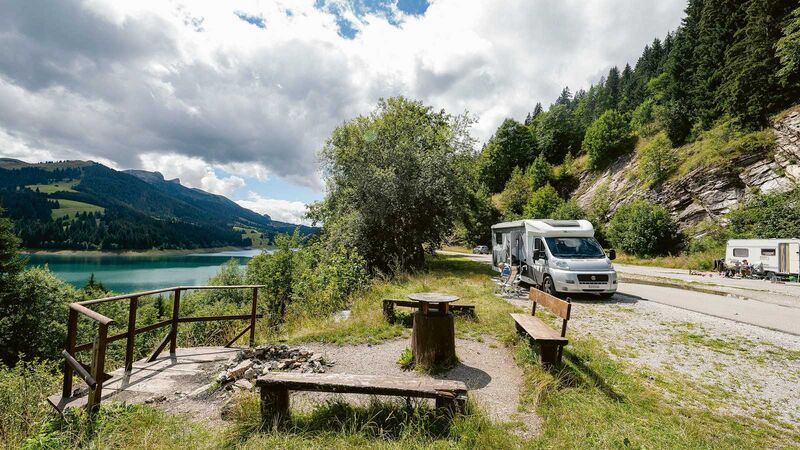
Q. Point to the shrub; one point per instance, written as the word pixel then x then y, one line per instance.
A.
pixel 326 278
pixel 543 203
pixel 275 271
pixel 657 159
pixel 643 229
pixel 606 138
pixel 33 320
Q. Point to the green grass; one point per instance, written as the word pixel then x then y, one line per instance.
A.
pixel 69 208
pixel 468 280
pixel 695 261
pixel 58 186
pixel 719 146
pixel 256 237
pixel 591 401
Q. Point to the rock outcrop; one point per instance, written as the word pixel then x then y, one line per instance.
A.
pixel 706 192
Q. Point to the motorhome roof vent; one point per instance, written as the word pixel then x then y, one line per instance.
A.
pixel 562 223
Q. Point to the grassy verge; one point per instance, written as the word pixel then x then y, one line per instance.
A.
pixel 592 401
pixel 694 261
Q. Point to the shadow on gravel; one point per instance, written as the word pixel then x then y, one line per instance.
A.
pixel 473 377
pixel 623 299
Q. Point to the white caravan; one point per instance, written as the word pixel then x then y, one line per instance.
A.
pixel 779 257
pixel 559 256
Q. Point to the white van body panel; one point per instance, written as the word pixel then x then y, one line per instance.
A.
pixel 515 242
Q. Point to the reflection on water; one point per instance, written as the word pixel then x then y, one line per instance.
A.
pixel 138 273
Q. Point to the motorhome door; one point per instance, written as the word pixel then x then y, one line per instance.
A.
pixel 539 264
pixel 788 257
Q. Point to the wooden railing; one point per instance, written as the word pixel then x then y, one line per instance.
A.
pixel 94 375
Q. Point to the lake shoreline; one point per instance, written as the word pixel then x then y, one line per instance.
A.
pixel 134 253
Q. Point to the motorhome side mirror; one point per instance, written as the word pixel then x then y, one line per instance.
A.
pixel 612 254
pixel 537 254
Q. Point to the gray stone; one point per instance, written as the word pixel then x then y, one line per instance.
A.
pixel 243 385
pixel 239 370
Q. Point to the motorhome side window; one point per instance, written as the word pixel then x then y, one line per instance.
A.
pixel 767 252
pixel 741 252
pixel 498 238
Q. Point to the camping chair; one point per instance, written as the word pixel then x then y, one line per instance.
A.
pixel 505 274
pixel 511 284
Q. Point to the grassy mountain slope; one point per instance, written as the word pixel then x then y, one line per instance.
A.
pixel 85 205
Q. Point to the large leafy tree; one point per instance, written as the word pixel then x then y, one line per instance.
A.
pixel 394 182
pixel 511 146
pixel 608 137
pixel 788 51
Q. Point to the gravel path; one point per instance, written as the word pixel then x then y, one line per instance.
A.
pixel 487 368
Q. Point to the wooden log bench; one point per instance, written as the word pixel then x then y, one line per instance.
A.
pixel 275 387
pixel 389 305
pixel 551 343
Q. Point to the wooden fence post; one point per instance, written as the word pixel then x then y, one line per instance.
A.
pixel 253 318
pixel 133 306
pixel 176 306
pixel 72 331
pixel 98 366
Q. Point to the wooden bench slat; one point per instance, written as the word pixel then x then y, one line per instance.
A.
pixel 364 384
pixel 538 330
pixel 559 307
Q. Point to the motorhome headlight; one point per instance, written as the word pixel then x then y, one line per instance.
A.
pixel 562 265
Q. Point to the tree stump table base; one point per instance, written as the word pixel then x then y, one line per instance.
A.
pixel 433 341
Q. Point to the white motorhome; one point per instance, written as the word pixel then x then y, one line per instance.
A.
pixel 779 257
pixel 559 256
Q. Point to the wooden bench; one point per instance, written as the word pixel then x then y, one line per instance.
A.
pixel 389 305
pixel 275 387
pixel 551 343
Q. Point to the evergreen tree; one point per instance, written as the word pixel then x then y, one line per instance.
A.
pixel 556 133
pixel 788 52
pixel 628 99
pixel 612 89
pixel 565 98
pixel 751 84
pixel 537 110
pixel 716 26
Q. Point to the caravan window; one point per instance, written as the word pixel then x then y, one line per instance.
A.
pixel 767 252
pixel 741 252
pixel 498 238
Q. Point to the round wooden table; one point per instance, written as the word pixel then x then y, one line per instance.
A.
pixel 433 337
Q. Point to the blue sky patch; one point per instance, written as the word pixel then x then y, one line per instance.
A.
pixel 253 20
pixel 384 8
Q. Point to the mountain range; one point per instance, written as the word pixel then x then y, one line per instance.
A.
pixel 87 206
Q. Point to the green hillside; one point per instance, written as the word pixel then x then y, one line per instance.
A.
pixel 84 205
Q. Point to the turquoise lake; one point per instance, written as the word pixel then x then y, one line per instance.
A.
pixel 123 274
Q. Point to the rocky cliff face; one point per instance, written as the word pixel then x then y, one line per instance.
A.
pixel 706 192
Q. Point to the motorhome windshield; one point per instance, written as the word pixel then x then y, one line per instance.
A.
pixel 574 247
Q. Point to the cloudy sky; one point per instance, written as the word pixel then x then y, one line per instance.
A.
pixel 237 97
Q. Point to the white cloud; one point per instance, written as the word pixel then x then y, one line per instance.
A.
pixel 281 210
pixel 118 81
pixel 193 172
